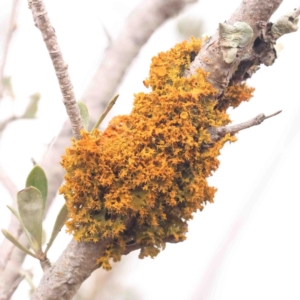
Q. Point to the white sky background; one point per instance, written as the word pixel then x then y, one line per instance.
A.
pixel 245 245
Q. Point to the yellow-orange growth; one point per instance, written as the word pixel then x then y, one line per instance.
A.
pixel 141 180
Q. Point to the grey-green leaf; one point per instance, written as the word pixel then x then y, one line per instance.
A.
pixel 16 214
pixel 8 88
pixel 31 210
pixel 59 223
pixel 32 107
pixel 109 106
pixel 84 114
pixel 16 243
pixel 37 178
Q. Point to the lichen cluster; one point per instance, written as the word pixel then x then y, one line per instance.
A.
pixel 141 180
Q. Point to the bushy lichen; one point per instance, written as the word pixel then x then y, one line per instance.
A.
pixel 141 180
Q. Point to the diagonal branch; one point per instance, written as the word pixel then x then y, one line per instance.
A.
pixel 42 21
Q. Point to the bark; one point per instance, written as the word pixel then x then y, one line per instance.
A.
pixel 139 26
pixel 58 282
pixel 211 58
pixel 218 132
pixel 42 21
pixel 256 14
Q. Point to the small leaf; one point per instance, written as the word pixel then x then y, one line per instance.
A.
pixel 8 88
pixel 32 107
pixel 84 114
pixel 59 223
pixel 37 178
pixel 16 214
pixel 31 210
pixel 16 243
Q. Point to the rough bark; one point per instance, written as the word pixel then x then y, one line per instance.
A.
pixel 138 28
pixel 254 13
pixel 58 282
pixel 42 21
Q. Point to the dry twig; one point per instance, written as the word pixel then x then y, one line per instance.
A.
pixel 42 22
pixel 218 132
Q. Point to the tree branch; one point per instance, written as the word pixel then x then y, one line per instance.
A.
pixel 259 49
pixel 72 268
pixel 71 275
pixel 79 259
pixel 11 29
pixel 42 21
pixel 218 132
pixel 64 286
pixel 138 28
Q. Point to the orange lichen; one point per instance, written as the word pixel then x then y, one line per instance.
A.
pixel 141 180
pixel 235 94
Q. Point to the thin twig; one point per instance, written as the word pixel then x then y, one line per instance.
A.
pixel 7 121
pixel 217 133
pixel 42 21
pixel 106 111
pixel 8 37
